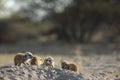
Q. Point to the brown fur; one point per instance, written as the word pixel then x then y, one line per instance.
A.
pixel 72 66
pixel 21 58
pixel 49 61
pixel 36 61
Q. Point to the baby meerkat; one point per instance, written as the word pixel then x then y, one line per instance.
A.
pixel 22 58
pixel 69 66
pixel 49 61
pixel 36 60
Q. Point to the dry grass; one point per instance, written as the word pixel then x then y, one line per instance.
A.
pixel 6 59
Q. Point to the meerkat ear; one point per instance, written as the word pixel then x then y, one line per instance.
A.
pixel 52 58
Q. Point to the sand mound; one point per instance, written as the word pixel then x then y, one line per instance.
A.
pixel 40 73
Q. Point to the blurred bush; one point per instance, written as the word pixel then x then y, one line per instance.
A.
pixel 89 21
pixel 83 21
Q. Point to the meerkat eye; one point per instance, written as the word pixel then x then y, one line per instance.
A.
pixel 48 60
pixel 25 56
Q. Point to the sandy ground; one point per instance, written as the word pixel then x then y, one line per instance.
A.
pixel 94 67
pixel 95 62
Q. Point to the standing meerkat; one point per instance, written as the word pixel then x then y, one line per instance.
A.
pixel 36 60
pixel 22 58
pixel 49 61
pixel 72 66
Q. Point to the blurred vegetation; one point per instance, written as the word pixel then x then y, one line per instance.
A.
pixel 87 18
pixel 84 21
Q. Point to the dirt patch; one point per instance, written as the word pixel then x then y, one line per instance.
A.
pixel 38 73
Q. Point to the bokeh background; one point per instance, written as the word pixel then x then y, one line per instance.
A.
pixel 60 27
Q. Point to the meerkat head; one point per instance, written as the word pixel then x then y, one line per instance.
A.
pixel 49 60
pixel 64 64
pixel 37 58
pixel 28 55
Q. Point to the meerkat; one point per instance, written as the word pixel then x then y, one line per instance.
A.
pixel 22 58
pixel 36 60
pixel 49 62
pixel 72 66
